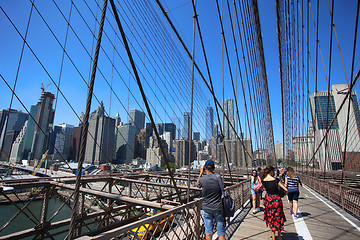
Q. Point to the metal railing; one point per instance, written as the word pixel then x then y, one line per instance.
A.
pixel 347 198
pixel 182 222
pixel 112 206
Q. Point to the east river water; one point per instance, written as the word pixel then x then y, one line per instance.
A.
pixel 22 222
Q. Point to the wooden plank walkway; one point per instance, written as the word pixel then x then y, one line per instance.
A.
pixel 319 219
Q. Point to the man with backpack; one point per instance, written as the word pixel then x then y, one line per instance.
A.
pixel 211 205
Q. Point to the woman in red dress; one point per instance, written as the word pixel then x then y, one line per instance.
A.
pixel 274 216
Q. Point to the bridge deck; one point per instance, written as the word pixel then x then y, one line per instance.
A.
pixel 320 219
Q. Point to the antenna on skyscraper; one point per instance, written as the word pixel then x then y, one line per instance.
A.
pixel 43 88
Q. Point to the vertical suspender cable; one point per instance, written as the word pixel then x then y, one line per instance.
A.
pixel 75 209
pixel 350 99
pixel 143 95
pixel 192 102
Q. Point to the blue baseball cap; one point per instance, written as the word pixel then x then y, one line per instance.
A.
pixel 209 164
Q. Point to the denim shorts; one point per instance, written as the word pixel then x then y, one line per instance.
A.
pixel 255 193
pixel 293 196
pixel 209 222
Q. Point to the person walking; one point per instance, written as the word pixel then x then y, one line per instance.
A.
pixel 255 191
pixel 274 216
pixel 211 204
pixel 292 182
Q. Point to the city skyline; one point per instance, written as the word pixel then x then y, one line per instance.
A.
pixel 166 83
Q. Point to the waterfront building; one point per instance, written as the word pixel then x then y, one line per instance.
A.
pixel 209 123
pixel 18 146
pixel 229 133
pixel 13 121
pixel 100 137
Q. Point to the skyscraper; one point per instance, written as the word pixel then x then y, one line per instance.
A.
pixel 13 120
pixel 17 149
pixel 209 123
pixel 215 130
pixel 100 139
pixel 186 127
pixel 137 118
pixel 229 111
pixel 125 144
pixel 140 144
pixel 167 127
pixel 37 136
pixel 63 140
pixel 196 136
pixel 75 143
pixel 149 133
pixel 323 110
pixel 171 127
pixel 117 120
pixel 182 152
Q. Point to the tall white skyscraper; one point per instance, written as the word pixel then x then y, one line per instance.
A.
pixel 229 133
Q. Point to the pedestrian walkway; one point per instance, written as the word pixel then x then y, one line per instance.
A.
pixel 319 219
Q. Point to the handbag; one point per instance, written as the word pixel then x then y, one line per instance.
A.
pixel 228 204
pixel 257 187
pixel 281 191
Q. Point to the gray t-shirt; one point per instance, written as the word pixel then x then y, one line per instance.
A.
pixel 211 193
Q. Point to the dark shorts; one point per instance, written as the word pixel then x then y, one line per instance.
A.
pixel 293 196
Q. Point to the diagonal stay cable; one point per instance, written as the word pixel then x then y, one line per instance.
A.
pixel 143 94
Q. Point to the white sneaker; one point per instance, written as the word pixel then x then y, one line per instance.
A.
pixel 254 211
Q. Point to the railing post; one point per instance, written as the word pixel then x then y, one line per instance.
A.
pixel 342 197
pixel 130 189
pixel 109 204
pixel 197 220
pixel 81 210
pixel 242 194
pixel 313 182
pixel 44 211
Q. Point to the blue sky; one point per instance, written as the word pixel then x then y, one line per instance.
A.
pixel 73 70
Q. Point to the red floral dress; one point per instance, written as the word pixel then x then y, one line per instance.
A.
pixel 274 216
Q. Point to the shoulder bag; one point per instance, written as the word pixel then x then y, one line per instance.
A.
pixel 228 205
pixel 281 191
